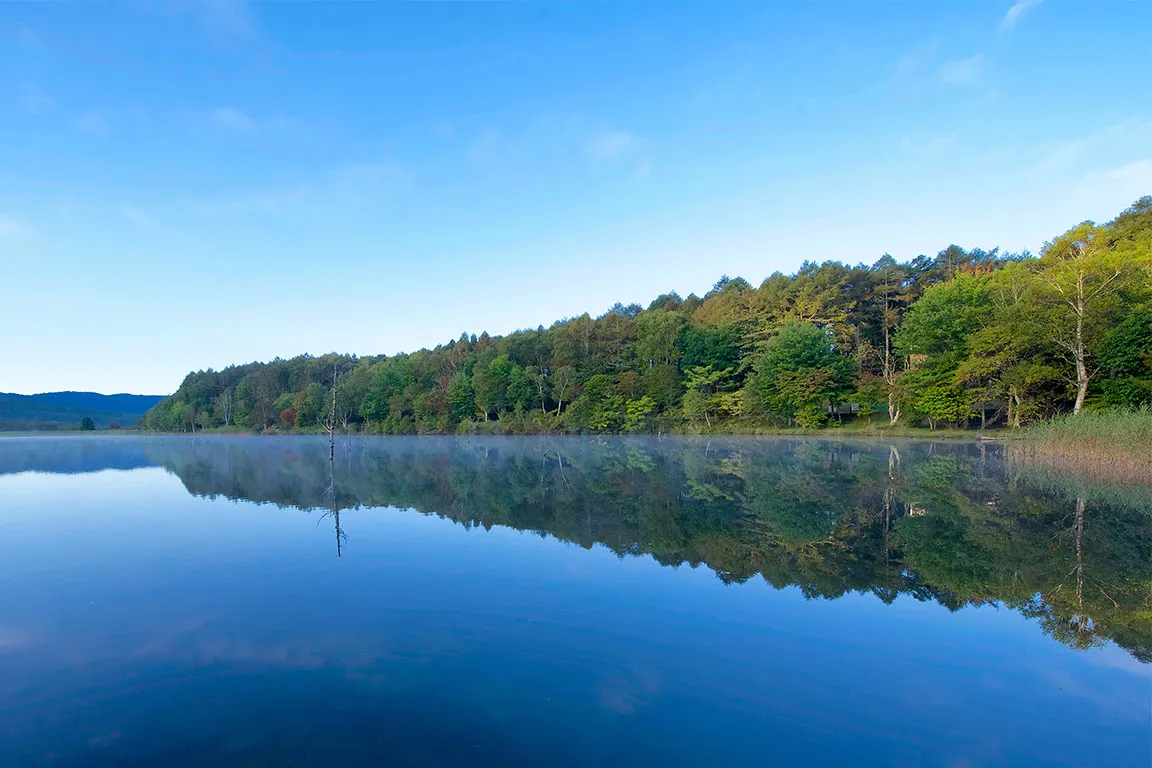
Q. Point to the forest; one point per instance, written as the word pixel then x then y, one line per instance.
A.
pixel 964 339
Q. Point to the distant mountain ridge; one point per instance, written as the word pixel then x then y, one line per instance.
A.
pixel 65 410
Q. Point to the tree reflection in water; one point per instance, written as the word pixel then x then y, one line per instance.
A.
pixel 952 523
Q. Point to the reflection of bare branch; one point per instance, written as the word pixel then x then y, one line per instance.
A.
pixel 1106 594
pixel 334 512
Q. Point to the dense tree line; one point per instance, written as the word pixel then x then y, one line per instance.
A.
pixel 952 523
pixel 969 335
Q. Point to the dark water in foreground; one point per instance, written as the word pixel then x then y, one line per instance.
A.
pixel 428 601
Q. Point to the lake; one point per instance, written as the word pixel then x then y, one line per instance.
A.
pixel 239 601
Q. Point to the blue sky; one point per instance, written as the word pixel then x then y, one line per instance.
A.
pixel 190 185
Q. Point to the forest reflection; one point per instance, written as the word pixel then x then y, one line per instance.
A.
pixel 951 523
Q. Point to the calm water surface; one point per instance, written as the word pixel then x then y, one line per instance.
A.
pixel 438 601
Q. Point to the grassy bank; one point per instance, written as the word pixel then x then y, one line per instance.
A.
pixel 1114 444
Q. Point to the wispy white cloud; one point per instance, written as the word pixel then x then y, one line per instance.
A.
pixel 11 227
pixel 921 70
pixel 234 18
pixel 97 122
pixel 138 216
pixel 1129 132
pixel 553 140
pixel 350 186
pixel 33 98
pixel 1130 180
pixel 1017 11
pixel 915 63
pixel 961 71
pixel 233 120
pixel 609 143
pixel 223 21
pixel 146 222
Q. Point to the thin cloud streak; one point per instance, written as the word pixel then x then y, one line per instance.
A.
pixel 349 186
pixel 914 63
pixel 1017 11
pixel 961 71
pixel 146 222
pixel 98 122
pixel 1131 131
pixel 610 143
pixel 11 227
pixel 34 100
pixel 233 120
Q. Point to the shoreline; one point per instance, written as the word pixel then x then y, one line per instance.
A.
pixel 940 435
pixel 1101 458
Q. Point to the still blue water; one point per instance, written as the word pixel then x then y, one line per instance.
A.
pixel 241 601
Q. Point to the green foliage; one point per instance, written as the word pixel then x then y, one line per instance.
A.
pixel 941 320
pixel 86 424
pixel 703 399
pixel 924 340
pixel 461 397
pixel 715 348
pixel 941 404
pixel 811 416
pixel 599 408
pixel 388 379
pixel 801 371
pixel 490 380
pixel 1126 361
pixel 310 405
pixel 656 335
pixel 638 414
pixel 521 392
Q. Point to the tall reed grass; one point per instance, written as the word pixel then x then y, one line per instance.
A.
pixel 1113 443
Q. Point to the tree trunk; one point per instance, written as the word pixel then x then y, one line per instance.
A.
pixel 890 378
pixel 331 422
pixel 1082 619
pixel 1081 367
pixel 1081 370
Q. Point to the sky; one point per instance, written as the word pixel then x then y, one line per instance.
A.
pixel 190 185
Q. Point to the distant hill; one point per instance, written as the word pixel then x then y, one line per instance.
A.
pixel 71 454
pixel 65 410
